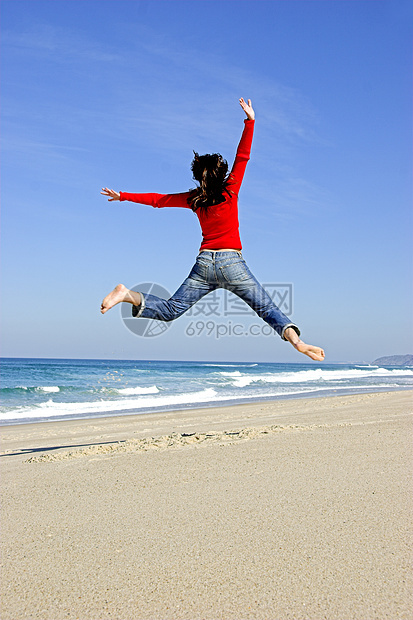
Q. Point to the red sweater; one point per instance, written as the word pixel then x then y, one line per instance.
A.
pixel 220 227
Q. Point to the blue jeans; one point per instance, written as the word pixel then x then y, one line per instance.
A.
pixel 216 269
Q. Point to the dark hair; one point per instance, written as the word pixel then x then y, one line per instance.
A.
pixel 211 173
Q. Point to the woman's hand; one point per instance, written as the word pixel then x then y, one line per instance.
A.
pixel 247 107
pixel 111 193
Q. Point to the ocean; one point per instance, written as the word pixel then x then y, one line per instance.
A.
pixel 37 390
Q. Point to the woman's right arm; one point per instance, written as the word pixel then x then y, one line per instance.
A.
pixel 247 107
pixel 244 149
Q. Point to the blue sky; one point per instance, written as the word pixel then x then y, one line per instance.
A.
pixel 118 93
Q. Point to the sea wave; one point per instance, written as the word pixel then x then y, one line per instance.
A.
pixel 317 374
pixel 28 388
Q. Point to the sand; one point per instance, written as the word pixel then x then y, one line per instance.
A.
pixel 298 509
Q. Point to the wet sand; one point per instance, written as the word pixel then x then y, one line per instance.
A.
pixel 298 509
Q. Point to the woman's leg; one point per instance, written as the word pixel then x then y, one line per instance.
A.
pixel 247 287
pixel 149 306
pixel 153 307
pixel 253 293
pixel 257 298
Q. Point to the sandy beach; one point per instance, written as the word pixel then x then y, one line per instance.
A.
pixel 295 509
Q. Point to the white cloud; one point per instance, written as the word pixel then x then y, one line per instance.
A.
pixel 154 95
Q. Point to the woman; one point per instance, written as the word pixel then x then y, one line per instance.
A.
pixel 219 263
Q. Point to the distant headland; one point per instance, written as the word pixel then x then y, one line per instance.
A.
pixel 394 360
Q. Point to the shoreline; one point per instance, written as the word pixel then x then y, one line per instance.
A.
pixel 115 428
pixel 327 392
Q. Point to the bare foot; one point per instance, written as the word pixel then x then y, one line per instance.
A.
pixel 120 293
pixel 316 353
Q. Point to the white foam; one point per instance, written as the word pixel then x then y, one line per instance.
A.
pixel 51 409
pixel 231 365
pixel 138 390
pixel 235 373
pixel 45 388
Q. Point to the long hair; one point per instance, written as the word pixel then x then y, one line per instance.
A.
pixel 211 173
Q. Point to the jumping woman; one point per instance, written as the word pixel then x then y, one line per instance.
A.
pixel 219 263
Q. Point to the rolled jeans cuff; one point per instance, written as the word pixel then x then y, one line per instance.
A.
pixel 137 310
pixel 287 326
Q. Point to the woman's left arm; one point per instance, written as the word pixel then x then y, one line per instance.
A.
pixel 154 200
